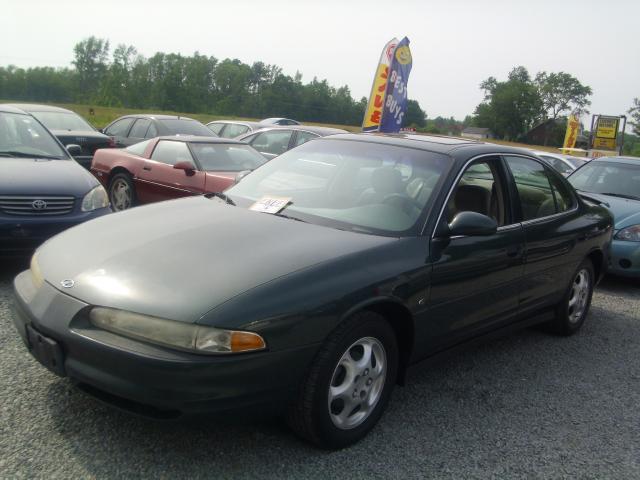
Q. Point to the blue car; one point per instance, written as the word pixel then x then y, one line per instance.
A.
pixel 42 189
pixel 615 182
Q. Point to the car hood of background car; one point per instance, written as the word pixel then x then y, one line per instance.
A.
pixel 179 259
pixel 625 211
pixel 25 176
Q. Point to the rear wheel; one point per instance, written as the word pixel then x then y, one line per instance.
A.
pixel 122 193
pixel 574 307
pixel 348 384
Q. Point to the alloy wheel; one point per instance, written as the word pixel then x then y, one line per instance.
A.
pixel 357 383
pixel 579 296
pixel 121 195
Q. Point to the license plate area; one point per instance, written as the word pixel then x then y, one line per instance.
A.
pixel 46 350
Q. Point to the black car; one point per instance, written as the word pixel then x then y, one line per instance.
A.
pixel 273 141
pixel 69 128
pixel 42 189
pixel 131 129
pixel 310 286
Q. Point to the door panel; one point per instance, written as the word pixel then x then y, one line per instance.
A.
pixel 550 230
pixel 163 182
pixel 475 285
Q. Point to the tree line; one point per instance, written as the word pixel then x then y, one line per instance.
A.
pixel 194 84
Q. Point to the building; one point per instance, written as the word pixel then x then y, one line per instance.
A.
pixel 478 133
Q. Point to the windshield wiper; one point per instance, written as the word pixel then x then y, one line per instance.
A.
pixel 622 195
pixel 221 196
pixel 14 153
pixel 289 217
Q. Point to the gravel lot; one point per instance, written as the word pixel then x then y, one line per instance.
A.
pixel 528 405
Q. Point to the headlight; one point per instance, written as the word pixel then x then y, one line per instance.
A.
pixel 36 274
pixel 96 198
pixel 178 335
pixel 630 234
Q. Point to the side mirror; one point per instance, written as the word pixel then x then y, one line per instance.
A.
pixel 185 165
pixel 73 149
pixel 472 224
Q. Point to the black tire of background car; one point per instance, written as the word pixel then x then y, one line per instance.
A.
pixel 308 416
pixel 126 177
pixel 561 324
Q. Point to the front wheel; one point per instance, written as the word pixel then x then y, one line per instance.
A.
pixel 122 193
pixel 348 384
pixel 574 307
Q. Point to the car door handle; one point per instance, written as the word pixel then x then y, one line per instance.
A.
pixel 148 169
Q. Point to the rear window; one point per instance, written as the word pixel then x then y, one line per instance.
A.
pixel 182 126
pixel 62 121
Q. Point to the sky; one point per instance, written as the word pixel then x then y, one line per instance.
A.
pixel 455 44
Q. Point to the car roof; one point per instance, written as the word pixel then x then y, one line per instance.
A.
pixel 453 146
pixel 197 139
pixel 618 159
pixel 34 107
pixel 155 116
pixel 238 122
pixel 322 131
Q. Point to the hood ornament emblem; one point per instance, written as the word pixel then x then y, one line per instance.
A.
pixel 67 283
pixel 39 204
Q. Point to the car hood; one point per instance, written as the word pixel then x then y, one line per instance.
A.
pixel 179 259
pixel 25 176
pixel 625 211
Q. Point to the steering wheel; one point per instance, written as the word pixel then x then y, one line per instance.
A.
pixel 404 202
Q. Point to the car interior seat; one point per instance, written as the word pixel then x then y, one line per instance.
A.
pixel 384 181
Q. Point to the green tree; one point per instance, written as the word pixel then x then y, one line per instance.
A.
pixel 561 93
pixel 634 111
pixel 510 108
pixel 91 57
pixel 415 116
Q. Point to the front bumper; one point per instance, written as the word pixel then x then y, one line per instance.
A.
pixel 21 235
pixel 135 375
pixel 624 258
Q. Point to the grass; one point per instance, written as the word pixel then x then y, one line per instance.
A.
pixel 102 116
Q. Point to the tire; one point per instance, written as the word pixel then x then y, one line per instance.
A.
pixel 348 384
pixel 572 311
pixel 122 193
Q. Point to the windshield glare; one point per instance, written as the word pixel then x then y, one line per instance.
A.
pixel 348 184
pixel 22 136
pixel 62 121
pixel 222 157
pixel 608 177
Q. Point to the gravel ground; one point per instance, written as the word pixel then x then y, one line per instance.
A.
pixel 528 405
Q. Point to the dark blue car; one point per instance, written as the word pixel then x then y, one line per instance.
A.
pixel 42 189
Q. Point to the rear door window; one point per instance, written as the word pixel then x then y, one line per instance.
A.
pixel 534 187
pixel 274 142
pixel 139 129
pixel 119 128
pixel 303 137
pixel 233 130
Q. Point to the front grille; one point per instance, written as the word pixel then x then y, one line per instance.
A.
pixel 22 205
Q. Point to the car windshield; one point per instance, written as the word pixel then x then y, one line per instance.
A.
pixel 22 136
pixel 62 121
pixel 183 126
pixel 612 178
pixel 360 186
pixel 226 157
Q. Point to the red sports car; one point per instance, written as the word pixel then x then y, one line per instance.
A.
pixel 163 168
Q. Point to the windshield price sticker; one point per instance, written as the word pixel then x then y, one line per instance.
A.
pixel 270 204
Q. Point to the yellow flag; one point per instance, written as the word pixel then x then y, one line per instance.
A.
pixel 373 113
pixel 573 126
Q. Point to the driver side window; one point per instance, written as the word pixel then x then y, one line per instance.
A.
pixel 480 190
